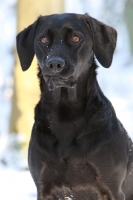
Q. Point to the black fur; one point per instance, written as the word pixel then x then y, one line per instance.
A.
pixel 78 147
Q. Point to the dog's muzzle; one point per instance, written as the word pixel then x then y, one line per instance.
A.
pixel 54 79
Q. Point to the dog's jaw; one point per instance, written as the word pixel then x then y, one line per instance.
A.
pixel 55 84
pixel 72 94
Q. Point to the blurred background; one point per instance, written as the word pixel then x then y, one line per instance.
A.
pixel 19 90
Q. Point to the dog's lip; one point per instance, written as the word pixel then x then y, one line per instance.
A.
pixel 59 78
pixel 55 82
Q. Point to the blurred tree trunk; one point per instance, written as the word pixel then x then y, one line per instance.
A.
pixel 26 89
pixel 129 21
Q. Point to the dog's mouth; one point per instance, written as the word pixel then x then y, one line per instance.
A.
pixel 58 82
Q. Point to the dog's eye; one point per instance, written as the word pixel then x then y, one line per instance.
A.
pixel 44 40
pixel 75 38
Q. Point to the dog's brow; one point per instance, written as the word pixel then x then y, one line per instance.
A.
pixel 67 25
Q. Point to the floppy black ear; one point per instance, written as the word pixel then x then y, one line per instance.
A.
pixel 104 41
pixel 25 45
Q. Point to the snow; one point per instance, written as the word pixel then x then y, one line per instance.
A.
pixel 16 185
pixel 7 41
pixel 15 182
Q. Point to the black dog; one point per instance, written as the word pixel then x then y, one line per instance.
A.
pixel 78 149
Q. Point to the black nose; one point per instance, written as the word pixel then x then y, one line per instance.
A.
pixel 55 64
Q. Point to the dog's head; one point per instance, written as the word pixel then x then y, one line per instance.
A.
pixel 64 45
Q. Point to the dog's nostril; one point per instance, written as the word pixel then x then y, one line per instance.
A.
pixel 58 66
pixel 50 66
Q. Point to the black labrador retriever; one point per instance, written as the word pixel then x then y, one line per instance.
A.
pixel 78 149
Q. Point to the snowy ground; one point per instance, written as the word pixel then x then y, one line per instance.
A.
pixel 16 185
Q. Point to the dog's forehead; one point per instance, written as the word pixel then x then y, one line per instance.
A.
pixel 61 21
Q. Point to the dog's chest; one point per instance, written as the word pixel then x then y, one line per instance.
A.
pixel 67 171
pixel 71 178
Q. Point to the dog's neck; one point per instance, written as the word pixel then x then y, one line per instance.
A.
pixel 69 116
pixel 66 105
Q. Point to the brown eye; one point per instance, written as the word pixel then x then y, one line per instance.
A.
pixel 44 40
pixel 75 38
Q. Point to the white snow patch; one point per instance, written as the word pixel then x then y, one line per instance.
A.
pixel 16 185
